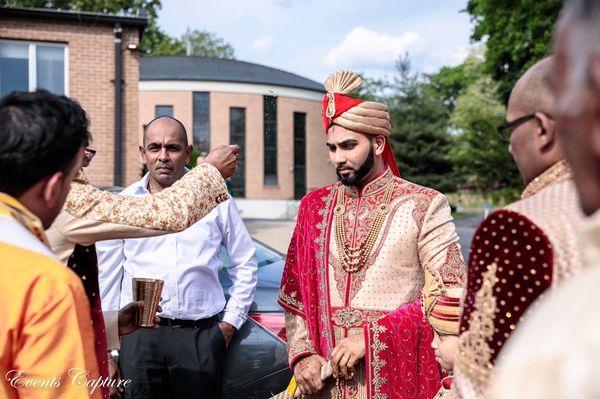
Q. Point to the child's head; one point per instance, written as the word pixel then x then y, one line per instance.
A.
pixel 445 348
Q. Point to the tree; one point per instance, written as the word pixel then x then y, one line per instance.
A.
pixel 420 135
pixel 517 34
pixel 450 82
pixel 155 41
pixel 206 44
pixel 479 156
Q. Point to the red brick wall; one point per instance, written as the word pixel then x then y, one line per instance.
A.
pixel 91 74
pixel 319 171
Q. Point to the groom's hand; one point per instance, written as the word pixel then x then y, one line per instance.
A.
pixel 308 374
pixel 346 354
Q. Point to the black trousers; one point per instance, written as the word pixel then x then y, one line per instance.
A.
pixel 174 362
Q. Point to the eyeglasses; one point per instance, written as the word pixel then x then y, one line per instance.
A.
pixel 88 153
pixel 505 129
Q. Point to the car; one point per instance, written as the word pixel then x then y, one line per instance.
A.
pixel 256 362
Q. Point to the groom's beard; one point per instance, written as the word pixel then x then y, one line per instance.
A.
pixel 359 174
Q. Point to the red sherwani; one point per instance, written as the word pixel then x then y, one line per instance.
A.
pixel 324 303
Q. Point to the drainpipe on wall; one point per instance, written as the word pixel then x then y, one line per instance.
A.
pixel 118 172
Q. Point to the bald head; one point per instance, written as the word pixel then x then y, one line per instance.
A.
pixel 533 142
pixel 165 152
pixel 533 92
pixel 164 122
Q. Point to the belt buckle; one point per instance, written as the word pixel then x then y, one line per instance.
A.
pixel 170 323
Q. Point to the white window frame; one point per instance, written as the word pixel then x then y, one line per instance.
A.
pixel 32 60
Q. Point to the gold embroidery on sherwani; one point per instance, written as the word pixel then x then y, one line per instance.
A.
pixel 340 275
pixel 377 363
pixel 475 354
pixel 291 299
pixel 322 265
pixel 348 317
pixel 555 210
pixel 453 272
pixel 298 340
pixel 173 209
pixel 354 256
pixel 557 173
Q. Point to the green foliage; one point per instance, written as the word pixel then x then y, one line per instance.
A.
pixel 450 82
pixel 206 44
pixel 372 89
pixel 194 158
pixel 201 43
pixel 420 138
pixel 517 34
pixel 155 41
pixel 480 158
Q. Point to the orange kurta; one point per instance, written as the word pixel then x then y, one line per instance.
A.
pixel 45 325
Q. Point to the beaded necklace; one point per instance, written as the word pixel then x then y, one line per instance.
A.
pixel 353 259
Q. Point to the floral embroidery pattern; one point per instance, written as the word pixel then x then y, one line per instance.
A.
pixel 377 363
pixel 322 264
pixel 173 209
pixel 291 298
pixel 453 270
pixel 474 356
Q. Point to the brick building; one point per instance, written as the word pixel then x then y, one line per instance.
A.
pixel 275 116
pixel 75 53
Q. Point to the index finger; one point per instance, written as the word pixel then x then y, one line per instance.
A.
pixel 235 148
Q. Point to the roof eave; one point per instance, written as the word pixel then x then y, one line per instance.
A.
pixel 232 81
pixel 80 16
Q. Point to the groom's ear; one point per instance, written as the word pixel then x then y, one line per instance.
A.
pixel 379 144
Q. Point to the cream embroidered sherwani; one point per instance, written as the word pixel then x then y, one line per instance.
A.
pixel 517 253
pixel 92 215
pixel 555 353
pixel 417 237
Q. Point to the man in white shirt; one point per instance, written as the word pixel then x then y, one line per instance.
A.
pixel 184 356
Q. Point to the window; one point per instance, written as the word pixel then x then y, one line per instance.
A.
pixel 29 66
pixel 202 121
pixel 299 155
pixel 237 135
pixel 270 154
pixel 163 110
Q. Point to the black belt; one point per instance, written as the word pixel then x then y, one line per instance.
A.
pixel 178 323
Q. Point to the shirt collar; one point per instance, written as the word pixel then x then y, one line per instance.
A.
pixel 141 186
pixel 11 207
pixel 557 173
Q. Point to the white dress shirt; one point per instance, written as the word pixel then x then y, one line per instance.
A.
pixel 189 264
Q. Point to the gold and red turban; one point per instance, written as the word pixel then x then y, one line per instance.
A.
pixel 367 117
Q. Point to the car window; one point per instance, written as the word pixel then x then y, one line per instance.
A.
pixel 270 267
pixel 264 256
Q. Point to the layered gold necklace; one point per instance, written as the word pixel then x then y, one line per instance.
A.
pixel 354 258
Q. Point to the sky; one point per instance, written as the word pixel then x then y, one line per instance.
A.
pixel 313 38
